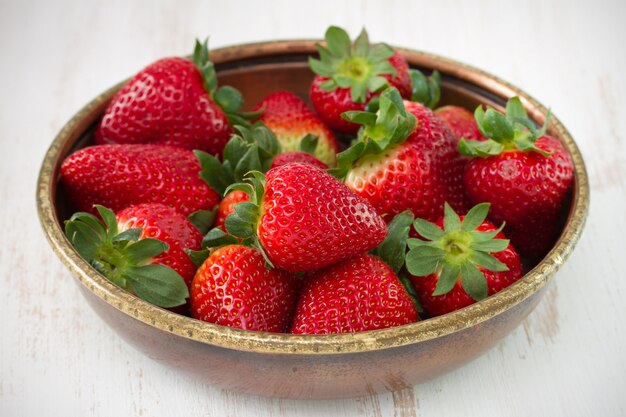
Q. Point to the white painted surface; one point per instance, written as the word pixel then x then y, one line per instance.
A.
pixel 57 358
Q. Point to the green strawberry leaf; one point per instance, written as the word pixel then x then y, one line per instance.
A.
pixel 427 229
pixel 475 217
pixel 447 279
pixel 198 256
pixel 425 90
pixel 484 148
pixel 203 219
pixel 393 249
pixel 217 237
pixel 157 284
pixel 308 144
pixel 424 260
pixel 145 249
pixel 473 281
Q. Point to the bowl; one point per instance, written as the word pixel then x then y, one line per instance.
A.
pixel 307 366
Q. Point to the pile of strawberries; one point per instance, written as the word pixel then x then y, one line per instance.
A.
pixel 259 221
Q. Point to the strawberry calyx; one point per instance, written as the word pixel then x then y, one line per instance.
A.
pixel 425 90
pixel 243 223
pixel 456 251
pixel 358 66
pixel 125 259
pixel 513 130
pixel 385 125
pixel 308 144
pixel 214 239
pixel 253 149
pixel 228 98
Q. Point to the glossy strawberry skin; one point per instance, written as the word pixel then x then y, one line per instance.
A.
pixel 461 121
pixel 301 157
pixel 359 294
pixel 164 223
pixel 330 104
pixel 290 119
pixel 165 103
pixel 234 288
pixel 457 298
pixel 227 206
pixel 310 220
pixel 420 174
pixel 118 176
pixel 526 190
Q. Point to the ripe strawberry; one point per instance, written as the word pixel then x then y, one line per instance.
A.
pixel 356 295
pixel 161 222
pixel 460 121
pixel 524 174
pixel 119 176
pixel 233 287
pixel 434 138
pixel 291 120
pixel 464 259
pixel 303 219
pixel 350 75
pixel 173 102
pixel 140 250
pixel 401 161
pixel 359 294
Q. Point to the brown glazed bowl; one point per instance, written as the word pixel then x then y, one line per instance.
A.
pixel 296 366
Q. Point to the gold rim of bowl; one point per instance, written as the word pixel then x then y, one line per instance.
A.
pixel 245 340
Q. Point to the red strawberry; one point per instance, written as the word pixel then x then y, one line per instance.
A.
pixel 233 287
pixel 161 222
pixel 362 293
pixel 350 75
pixel 141 250
pixel 460 121
pixel 291 120
pixel 356 295
pixel 464 260
pixel 119 176
pixel 301 157
pixel 524 174
pixel 434 138
pixel 173 102
pixel 303 219
pixel 402 161
pixel 227 206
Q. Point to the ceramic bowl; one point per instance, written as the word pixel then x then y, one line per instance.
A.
pixel 295 366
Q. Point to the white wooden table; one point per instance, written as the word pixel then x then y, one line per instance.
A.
pixel 58 359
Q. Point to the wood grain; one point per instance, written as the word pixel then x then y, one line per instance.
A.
pixel 58 358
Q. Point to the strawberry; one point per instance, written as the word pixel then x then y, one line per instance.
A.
pixel 161 222
pixel 140 250
pixel 303 219
pixel 463 260
pixel 350 75
pixel 460 121
pixel 400 161
pixel 523 173
pixel 359 294
pixel 434 138
pixel 291 120
pixel 173 102
pixel 233 287
pixel 119 176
